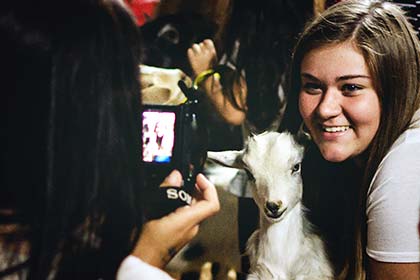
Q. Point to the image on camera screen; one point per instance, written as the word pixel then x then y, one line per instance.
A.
pixel 158 136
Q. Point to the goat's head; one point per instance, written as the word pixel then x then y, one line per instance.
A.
pixel 272 161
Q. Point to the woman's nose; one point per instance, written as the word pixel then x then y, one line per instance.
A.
pixel 330 105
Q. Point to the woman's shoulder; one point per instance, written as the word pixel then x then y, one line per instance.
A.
pixel 392 203
pixel 407 144
pixel 401 165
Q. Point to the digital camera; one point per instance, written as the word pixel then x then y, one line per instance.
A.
pixel 174 137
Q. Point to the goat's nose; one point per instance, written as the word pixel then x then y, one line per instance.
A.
pixel 273 206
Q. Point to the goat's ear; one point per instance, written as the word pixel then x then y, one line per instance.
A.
pixel 227 158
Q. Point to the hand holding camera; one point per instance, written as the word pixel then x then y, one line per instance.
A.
pixel 162 238
pixel 174 137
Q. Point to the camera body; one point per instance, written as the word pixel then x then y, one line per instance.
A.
pixel 173 137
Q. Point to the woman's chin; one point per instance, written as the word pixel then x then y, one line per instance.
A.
pixel 334 155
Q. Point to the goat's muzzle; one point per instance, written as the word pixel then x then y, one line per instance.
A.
pixel 273 209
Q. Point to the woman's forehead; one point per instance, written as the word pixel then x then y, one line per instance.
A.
pixel 342 59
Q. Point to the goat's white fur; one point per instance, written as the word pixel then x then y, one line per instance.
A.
pixel 160 85
pixel 284 246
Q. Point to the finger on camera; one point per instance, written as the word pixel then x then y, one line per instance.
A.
pixel 174 179
pixel 210 199
pixel 206 187
pixel 203 208
pixel 200 211
pixel 189 216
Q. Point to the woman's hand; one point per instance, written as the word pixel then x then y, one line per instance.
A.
pixel 161 239
pixel 202 56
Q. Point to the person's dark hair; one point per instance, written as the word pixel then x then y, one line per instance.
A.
pixel 72 121
pixel 266 32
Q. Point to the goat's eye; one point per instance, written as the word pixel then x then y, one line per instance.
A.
pixel 296 168
pixel 249 175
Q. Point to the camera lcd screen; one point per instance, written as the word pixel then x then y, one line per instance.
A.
pixel 158 136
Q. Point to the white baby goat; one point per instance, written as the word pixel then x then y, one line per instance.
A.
pixel 284 247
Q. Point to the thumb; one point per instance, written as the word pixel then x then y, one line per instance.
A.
pixel 174 179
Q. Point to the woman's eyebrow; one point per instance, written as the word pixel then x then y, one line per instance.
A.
pixel 348 77
pixel 341 78
pixel 308 76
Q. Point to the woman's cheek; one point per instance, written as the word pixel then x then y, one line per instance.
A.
pixel 307 106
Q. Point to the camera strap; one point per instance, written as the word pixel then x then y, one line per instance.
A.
pixel 164 200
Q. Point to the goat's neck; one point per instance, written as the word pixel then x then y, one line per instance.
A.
pixel 287 233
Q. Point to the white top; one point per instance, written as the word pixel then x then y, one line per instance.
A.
pixel 393 202
pixel 133 268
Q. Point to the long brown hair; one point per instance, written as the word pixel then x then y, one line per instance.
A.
pixel 392 52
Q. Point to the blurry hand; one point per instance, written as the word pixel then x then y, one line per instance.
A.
pixel 202 56
pixel 161 239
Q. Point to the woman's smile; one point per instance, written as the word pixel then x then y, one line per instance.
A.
pixel 333 132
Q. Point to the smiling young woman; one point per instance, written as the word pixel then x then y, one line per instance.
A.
pixel 355 82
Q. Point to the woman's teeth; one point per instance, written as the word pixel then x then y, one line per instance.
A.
pixel 336 128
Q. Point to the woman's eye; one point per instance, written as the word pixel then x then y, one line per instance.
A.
pixel 312 88
pixel 296 168
pixel 249 175
pixel 351 88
